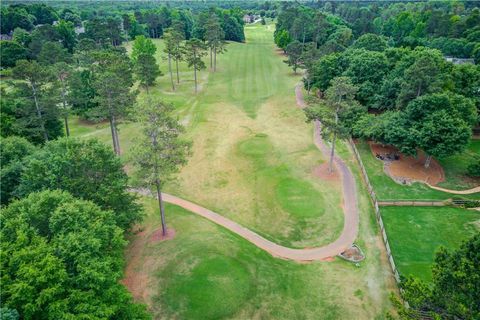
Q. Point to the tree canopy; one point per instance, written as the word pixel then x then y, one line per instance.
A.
pixel 62 258
pixel 88 170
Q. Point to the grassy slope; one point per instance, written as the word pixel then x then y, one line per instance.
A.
pixel 387 189
pixel 206 272
pixel 455 168
pixel 252 148
pixel 415 233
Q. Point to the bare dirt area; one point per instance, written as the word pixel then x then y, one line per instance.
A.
pixel 353 254
pixel 323 173
pixel 136 279
pixel 140 265
pixel 405 169
pixel 158 236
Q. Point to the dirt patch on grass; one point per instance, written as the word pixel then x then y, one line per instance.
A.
pixel 405 169
pixel 141 264
pixel 158 236
pixel 136 279
pixel 280 52
pixel 323 173
pixel 353 254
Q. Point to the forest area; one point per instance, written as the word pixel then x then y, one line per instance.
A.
pixel 109 110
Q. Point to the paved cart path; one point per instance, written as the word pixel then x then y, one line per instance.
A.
pixel 469 191
pixel 344 241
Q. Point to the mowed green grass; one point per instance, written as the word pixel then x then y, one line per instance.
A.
pixel 247 105
pixel 455 168
pixel 252 162
pixel 416 233
pixel 387 189
pixel 206 272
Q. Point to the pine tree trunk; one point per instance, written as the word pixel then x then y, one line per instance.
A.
pixel 170 70
pixel 427 161
pixel 117 139
pixel 114 138
pixel 195 74
pixel 332 153
pixel 195 71
pixel 178 75
pixel 162 209
pixel 215 60
pixel 211 60
pixel 39 112
pixel 67 130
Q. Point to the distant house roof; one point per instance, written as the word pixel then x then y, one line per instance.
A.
pixel 459 60
pixel 5 37
pixel 79 30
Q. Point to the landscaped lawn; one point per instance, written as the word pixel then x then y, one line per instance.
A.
pixel 387 189
pixel 455 168
pixel 253 156
pixel 415 233
pixel 252 161
pixel 206 272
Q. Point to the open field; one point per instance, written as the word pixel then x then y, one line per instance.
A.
pixel 387 189
pixel 415 233
pixel 253 161
pixel 253 156
pixel 206 272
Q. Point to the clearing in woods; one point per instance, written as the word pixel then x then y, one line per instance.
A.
pixel 253 161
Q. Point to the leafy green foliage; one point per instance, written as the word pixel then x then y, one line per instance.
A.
pixel 62 258
pixel 142 45
pixel 86 169
pixel 53 52
pixel 195 49
pixel 146 69
pixel 339 102
pixel 11 52
pixel 33 105
pixel 455 281
pixel 13 151
pixel 371 41
pixel 112 84
pixel 294 52
pixel 282 39
pixel 160 152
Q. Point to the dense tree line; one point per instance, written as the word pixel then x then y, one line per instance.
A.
pixel 379 72
pixel 453 293
pixel 57 72
pixel 406 95
pixel 450 26
pixel 66 205
pixel 62 250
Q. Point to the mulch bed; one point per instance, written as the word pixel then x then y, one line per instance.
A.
pixel 353 254
pixel 406 169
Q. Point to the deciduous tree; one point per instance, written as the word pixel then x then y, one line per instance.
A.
pixel 62 258
pixel 87 169
pixel 13 151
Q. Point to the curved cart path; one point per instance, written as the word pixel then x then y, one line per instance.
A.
pixel 469 191
pixel 350 227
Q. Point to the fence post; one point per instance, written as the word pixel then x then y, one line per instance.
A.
pixel 378 215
